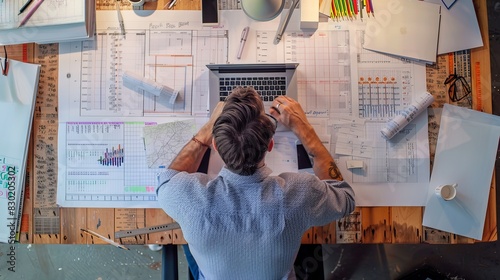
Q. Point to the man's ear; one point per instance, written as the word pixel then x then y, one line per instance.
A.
pixel 271 145
pixel 213 144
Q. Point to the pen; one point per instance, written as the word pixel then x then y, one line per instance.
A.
pixel 107 240
pixel 23 8
pixel 283 24
pixel 171 4
pixel 244 35
pixel 30 12
pixel 120 17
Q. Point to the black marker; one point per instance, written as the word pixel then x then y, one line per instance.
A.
pixel 23 8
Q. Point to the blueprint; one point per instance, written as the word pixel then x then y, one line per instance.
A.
pixel 347 92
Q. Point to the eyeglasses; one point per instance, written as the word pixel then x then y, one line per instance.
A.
pixel 273 120
pixel 460 91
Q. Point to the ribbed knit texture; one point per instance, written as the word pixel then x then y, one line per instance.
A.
pixel 250 227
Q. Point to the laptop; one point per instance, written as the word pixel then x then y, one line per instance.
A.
pixel 269 79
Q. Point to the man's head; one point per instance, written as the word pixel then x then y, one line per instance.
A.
pixel 243 132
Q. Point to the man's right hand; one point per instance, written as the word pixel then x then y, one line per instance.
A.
pixel 289 112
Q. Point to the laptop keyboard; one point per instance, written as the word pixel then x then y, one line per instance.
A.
pixel 268 87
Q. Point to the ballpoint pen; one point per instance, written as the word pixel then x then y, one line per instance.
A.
pixel 23 8
pixel 107 240
pixel 283 24
pixel 30 12
pixel 120 17
pixel 244 35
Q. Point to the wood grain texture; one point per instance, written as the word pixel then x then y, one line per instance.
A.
pixel 406 224
pixel 102 221
pixel 72 220
pixel 156 217
pixel 376 224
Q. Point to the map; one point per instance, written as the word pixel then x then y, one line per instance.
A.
pixel 164 141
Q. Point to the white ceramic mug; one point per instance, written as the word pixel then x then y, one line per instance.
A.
pixel 447 192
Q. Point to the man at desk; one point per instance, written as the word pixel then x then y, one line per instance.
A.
pixel 246 224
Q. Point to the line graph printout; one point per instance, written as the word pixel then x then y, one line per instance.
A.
pixel 103 164
pixel 171 54
pixel 324 72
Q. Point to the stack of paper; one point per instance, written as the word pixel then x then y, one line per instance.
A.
pixel 420 30
pixel 18 90
pixel 408 29
pixel 459 28
pixel 52 22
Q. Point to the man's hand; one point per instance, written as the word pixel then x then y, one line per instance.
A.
pixel 190 156
pixel 205 132
pixel 289 112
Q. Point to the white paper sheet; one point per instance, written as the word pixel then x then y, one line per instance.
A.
pixel 465 155
pixel 404 28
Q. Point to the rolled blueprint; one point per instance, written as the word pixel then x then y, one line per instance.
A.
pixel 420 104
pixel 133 81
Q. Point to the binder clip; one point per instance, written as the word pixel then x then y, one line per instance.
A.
pixel 5 64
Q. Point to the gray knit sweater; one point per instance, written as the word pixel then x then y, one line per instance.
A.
pixel 250 227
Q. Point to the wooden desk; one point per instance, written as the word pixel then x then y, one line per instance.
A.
pixel 44 222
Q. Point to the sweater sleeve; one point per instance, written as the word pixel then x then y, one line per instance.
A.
pixel 167 195
pixel 330 200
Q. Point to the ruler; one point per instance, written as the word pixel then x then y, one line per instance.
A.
pixel 478 98
pixel 110 5
pixel 46 216
pixel 146 230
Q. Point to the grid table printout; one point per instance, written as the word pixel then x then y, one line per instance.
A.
pixel 349 91
pixel 167 53
pixel 324 74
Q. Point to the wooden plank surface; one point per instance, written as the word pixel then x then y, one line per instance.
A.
pixel 366 225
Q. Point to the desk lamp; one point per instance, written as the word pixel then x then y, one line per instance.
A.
pixel 262 10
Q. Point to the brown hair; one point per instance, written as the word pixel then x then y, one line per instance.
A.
pixel 242 132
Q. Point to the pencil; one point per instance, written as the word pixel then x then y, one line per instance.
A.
pixel 107 240
pixel 30 12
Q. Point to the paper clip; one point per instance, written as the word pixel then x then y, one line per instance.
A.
pixel 5 64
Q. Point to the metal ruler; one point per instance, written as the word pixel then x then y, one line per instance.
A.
pixel 127 219
pixel 146 230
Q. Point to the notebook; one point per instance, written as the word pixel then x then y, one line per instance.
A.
pixel 52 22
pixel 269 79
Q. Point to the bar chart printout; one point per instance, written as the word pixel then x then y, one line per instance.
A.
pixel 105 165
